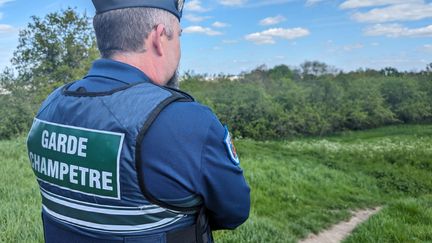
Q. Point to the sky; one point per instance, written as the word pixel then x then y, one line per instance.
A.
pixel 232 36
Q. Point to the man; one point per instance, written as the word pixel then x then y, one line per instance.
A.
pixel 119 156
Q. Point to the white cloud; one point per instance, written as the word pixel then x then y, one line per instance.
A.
pixel 196 18
pixel 268 36
pixel 313 2
pixel 398 12
pixel 2 2
pixel 218 24
pixel 5 29
pixel 332 47
pixel 353 47
pixel 232 2
pixel 427 47
pixel 272 20
pixel 397 30
pixel 201 30
pixel 260 39
pixel 195 6
pixel 351 4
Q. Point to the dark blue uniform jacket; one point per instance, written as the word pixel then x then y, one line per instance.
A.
pixel 185 158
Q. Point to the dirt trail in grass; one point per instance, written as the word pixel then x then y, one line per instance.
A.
pixel 340 231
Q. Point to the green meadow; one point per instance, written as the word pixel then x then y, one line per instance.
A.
pixel 300 186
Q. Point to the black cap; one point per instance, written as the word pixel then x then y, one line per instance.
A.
pixel 173 6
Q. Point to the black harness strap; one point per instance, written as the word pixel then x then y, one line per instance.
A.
pixel 198 233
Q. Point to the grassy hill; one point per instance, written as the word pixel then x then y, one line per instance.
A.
pixel 298 187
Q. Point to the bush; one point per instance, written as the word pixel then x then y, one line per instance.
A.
pixel 277 103
pixel 16 113
pixel 406 99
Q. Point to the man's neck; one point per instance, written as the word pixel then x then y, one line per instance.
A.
pixel 141 62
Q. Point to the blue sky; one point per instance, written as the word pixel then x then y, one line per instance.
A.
pixel 231 36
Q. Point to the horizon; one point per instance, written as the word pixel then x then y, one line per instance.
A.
pixel 235 36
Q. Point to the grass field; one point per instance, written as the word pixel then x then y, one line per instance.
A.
pixel 298 187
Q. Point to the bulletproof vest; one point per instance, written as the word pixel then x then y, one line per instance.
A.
pixel 85 151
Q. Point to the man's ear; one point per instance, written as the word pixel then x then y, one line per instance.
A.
pixel 157 39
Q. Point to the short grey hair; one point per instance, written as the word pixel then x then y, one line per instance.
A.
pixel 125 30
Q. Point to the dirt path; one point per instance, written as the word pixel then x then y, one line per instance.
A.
pixel 340 231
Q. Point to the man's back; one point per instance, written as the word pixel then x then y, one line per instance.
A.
pixel 160 167
pixel 184 157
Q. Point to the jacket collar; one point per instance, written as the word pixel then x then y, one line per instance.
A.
pixel 118 71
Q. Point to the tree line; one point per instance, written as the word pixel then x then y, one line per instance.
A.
pixel 265 103
pixel 315 99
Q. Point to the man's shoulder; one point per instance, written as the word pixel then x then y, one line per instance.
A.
pixel 191 111
pixel 187 118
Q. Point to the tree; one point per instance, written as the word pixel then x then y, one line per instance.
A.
pixel 54 50
pixel 427 72
pixel 280 72
pixel 364 106
pixel 390 71
pixel 429 68
pixel 406 99
pixel 16 113
pixel 315 69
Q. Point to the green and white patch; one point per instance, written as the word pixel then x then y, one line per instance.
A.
pixel 75 158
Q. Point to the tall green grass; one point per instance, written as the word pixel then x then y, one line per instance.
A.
pixel 404 220
pixel 20 200
pixel 305 185
pixel 298 187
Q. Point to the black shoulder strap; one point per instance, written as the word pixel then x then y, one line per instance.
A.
pixel 187 96
pixel 176 96
pixel 80 93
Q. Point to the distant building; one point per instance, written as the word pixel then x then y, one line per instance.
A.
pixel 214 77
pixel 4 91
pixel 218 77
pixel 209 78
pixel 234 77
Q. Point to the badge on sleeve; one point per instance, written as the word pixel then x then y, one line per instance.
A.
pixel 232 153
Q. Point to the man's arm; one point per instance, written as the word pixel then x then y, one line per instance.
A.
pixel 224 189
pixel 185 157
